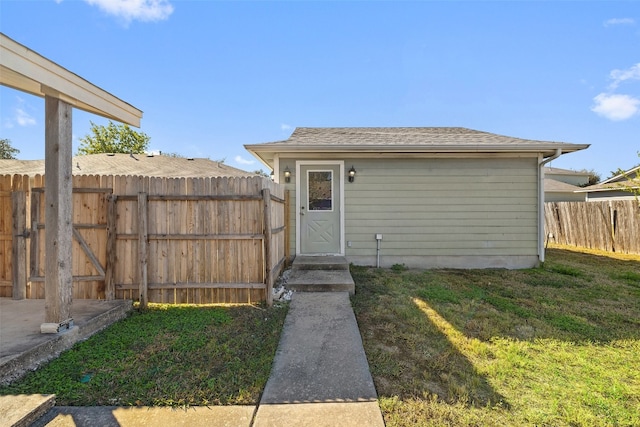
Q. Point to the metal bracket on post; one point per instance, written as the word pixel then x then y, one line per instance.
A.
pixel 54 328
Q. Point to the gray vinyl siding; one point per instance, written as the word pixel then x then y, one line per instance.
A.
pixel 443 207
pixel 292 200
pixel 605 196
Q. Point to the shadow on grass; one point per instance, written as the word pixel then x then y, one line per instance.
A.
pixel 573 299
pixel 423 329
pixel 414 352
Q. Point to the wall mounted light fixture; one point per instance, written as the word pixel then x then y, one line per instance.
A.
pixel 287 174
pixel 352 174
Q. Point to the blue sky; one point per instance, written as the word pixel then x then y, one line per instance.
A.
pixel 211 76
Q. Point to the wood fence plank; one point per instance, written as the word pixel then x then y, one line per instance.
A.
pixel 142 248
pixel 268 261
pixel 19 246
pixel 183 225
pixel 111 248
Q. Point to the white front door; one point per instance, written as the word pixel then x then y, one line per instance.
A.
pixel 320 208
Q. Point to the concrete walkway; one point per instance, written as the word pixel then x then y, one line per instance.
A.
pixel 320 377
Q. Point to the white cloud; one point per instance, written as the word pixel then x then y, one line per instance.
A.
pixel 616 107
pixel 285 127
pixel 240 160
pixel 619 21
pixel 23 118
pixel 131 10
pixel 20 116
pixel 619 76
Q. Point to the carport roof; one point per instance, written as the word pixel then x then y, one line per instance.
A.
pixel 404 140
pixel 30 72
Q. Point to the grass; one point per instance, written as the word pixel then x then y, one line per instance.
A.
pixel 552 346
pixel 166 356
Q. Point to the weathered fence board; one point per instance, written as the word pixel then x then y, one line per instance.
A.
pixel 6 239
pixel 173 240
pixel 612 226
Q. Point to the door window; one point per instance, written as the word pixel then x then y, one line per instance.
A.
pixel 320 190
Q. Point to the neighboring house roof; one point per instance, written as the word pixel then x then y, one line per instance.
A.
pixel 559 171
pixel 624 176
pixel 404 140
pixel 567 176
pixel 126 164
pixel 554 186
pixel 626 180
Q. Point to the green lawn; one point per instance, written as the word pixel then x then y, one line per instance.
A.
pixel 551 346
pixel 167 355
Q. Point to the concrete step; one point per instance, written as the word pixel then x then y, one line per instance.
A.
pixel 302 262
pixel 23 410
pixel 321 281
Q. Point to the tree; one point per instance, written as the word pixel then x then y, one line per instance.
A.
pixel 113 138
pixel 594 177
pixel 6 150
pixel 633 184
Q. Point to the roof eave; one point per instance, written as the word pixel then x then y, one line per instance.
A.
pixel 288 148
pixel 600 190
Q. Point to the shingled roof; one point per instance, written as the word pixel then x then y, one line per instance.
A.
pixel 553 186
pixel 401 136
pixel 127 164
pixel 405 140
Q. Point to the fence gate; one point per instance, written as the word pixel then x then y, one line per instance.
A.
pixel 93 235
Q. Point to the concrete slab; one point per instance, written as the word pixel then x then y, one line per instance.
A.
pixel 302 262
pixel 320 415
pixel 22 410
pixel 24 348
pixel 107 416
pixel 320 357
pixel 320 281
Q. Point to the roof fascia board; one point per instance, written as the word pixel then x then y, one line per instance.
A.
pixel 28 71
pixel 267 157
pixel 625 175
pixel 281 148
pixel 263 159
pixel 600 190
pixel 408 155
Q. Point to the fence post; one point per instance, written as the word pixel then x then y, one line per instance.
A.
pixel 19 244
pixel 34 260
pixel 143 249
pixel 111 248
pixel 266 207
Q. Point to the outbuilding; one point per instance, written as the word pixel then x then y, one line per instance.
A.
pixel 425 197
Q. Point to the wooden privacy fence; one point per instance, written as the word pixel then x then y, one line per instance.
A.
pixel 612 226
pixel 168 240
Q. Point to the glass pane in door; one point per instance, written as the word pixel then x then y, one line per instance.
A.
pixel 320 190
